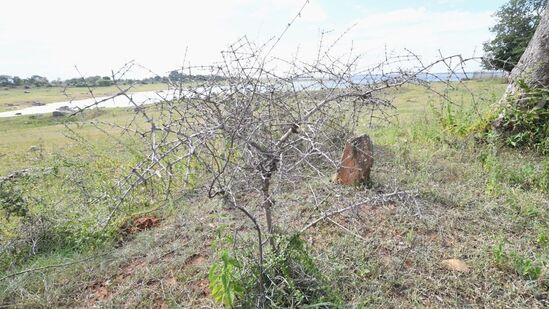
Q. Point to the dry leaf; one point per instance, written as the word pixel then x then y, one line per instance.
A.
pixel 456 265
pixel 102 293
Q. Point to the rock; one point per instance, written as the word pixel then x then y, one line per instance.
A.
pixel 26 91
pixel 456 265
pixel 59 113
pixel 356 162
pixel 62 111
pixel 37 103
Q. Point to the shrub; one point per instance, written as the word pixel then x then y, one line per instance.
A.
pixel 290 278
pixel 11 200
pixel 526 123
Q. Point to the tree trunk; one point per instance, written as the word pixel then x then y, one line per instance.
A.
pixel 533 66
pixel 533 69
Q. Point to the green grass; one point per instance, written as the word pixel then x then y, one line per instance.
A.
pixel 71 184
pixel 478 202
pixel 17 98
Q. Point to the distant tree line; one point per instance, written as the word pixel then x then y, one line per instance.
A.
pixel 98 81
pixel 176 76
pixel 14 81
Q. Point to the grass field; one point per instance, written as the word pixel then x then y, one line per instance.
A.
pixel 25 138
pixel 478 203
pixel 17 98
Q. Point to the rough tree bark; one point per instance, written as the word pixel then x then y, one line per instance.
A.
pixel 533 67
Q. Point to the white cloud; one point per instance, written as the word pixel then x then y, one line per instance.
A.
pixel 50 37
pixel 313 11
pixel 102 35
pixel 424 31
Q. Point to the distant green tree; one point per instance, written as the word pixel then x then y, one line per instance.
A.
pixel 92 80
pixel 39 81
pixel 57 82
pixel 516 23
pixel 176 76
pixel 17 81
pixel 104 82
pixel 6 80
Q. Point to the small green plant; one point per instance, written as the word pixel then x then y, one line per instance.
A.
pixel 516 262
pixel 493 168
pixel 543 238
pixel 525 266
pixel 290 278
pixel 224 284
pixel 499 253
pixel 293 280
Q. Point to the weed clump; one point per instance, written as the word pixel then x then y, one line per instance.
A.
pixel 515 262
pixel 290 279
pixel 524 122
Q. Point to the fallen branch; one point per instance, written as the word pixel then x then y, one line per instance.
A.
pixel 376 199
pixel 50 266
pixel 347 230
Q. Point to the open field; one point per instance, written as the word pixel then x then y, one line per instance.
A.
pixel 17 98
pixel 477 203
pixel 23 138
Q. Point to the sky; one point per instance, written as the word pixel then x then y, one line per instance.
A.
pixel 52 37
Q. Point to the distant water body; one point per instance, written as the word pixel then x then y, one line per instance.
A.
pixel 150 97
pixel 139 98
